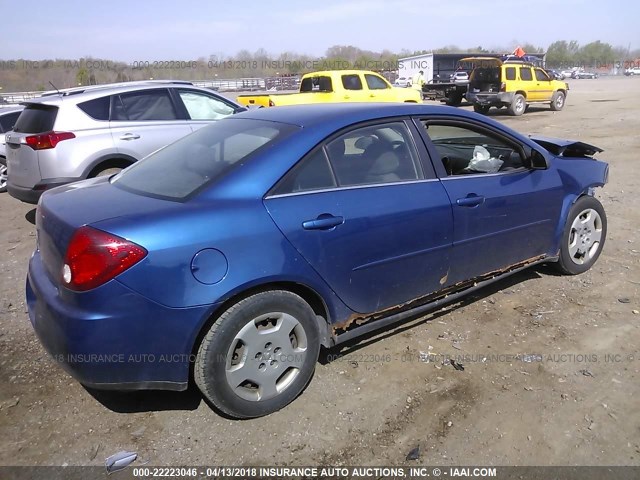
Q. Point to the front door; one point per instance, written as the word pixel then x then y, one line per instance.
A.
pixel 503 212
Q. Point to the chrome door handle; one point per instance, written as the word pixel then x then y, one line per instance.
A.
pixel 130 136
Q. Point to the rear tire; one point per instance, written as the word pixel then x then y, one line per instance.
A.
pixel 518 105
pixel 3 175
pixel 259 355
pixel 584 235
pixel 557 101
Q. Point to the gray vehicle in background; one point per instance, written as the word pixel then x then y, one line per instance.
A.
pixel 92 131
pixel 8 117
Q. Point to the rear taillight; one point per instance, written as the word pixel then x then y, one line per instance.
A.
pixel 47 140
pixel 94 257
pixel 503 87
pixel 271 104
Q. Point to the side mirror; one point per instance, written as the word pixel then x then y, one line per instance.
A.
pixel 538 161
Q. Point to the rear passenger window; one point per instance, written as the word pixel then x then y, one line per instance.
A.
pixel 311 173
pixel 375 154
pixel 525 74
pixel 146 105
pixel 351 82
pixel 97 109
pixel 510 73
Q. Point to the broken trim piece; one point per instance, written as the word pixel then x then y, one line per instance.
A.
pixel 357 324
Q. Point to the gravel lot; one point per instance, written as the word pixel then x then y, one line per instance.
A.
pixel 577 405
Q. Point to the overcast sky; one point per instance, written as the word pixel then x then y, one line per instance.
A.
pixel 185 30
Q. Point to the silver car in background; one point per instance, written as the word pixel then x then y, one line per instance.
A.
pixel 91 131
pixel 8 117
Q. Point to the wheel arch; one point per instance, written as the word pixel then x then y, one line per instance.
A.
pixel 108 161
pixel 568 203
pixel 308 294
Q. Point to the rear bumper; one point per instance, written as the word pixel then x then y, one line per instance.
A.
pixel 490 99
pixel 112 337
pixel 26 195
pixel 33 194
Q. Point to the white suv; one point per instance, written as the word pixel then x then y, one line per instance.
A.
pixel 99 130
pixel 8 117
pixel 632 71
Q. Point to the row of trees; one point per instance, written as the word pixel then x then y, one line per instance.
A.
pixel 25 75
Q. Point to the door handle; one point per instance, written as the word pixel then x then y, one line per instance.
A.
pixel 471 200
pixel 130 136
pixel 323 222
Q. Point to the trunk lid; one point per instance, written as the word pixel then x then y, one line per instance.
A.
pixel 84 203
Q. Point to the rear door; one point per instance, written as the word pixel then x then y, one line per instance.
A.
pixel 503 212
pixel 367 217
pixel 145 120
pixel 353 88
pixel 528 83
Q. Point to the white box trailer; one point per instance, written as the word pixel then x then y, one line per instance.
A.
pixel 408 67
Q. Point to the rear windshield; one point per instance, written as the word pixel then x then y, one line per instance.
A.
pixel 36 119
pixel 182 168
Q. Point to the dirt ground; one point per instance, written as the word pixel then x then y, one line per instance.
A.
pixel 576 403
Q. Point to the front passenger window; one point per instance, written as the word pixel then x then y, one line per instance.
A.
pixel 465 151
pixel 203 107
pixel 541 76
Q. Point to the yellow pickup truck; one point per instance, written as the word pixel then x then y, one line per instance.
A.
pixel 336 86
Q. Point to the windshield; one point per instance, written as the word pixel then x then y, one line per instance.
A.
pixel 182 168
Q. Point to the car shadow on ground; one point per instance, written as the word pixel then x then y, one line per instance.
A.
pixel 147 400
pixel 30 216
pixel 351 346
pixel 531 109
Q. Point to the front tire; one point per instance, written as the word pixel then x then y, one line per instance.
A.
pixel 518 105
pixel 258 355
pixel 557 101
pixel 584 236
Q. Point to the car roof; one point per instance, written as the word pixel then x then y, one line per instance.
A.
pixel 78 94
pixel 340 72
pixel 13 108
pixel 343 114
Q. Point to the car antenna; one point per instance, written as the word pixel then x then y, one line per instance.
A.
pixel 55 88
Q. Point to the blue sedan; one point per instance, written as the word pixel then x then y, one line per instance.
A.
pixel 231 256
